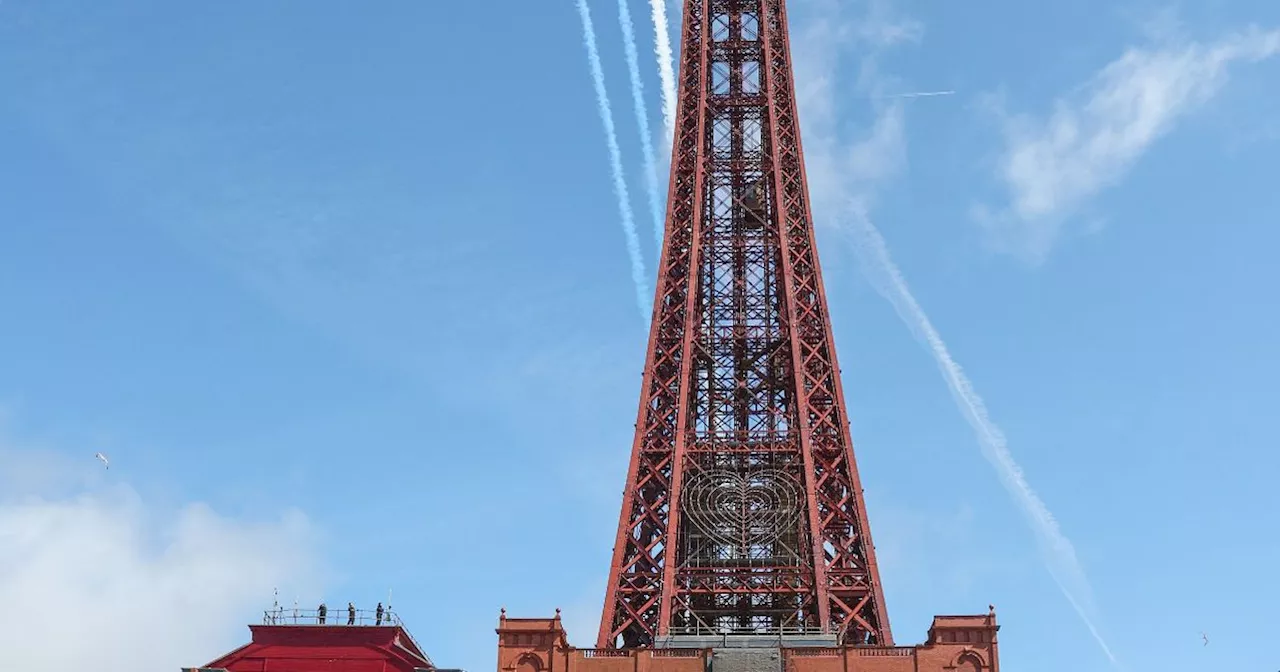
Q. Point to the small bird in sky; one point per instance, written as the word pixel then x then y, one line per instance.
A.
pixel 1206 638
pixel 103 459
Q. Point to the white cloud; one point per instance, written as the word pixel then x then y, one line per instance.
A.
pixel 883 27
pixel 99 580
pixel 836 168
pixel 1051 166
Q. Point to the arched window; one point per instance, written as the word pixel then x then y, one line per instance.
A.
pixel 968 662
pixel 529 663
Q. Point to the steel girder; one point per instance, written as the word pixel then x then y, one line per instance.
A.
pixel 741 391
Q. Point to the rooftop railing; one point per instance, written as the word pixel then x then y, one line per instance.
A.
pixel 339 616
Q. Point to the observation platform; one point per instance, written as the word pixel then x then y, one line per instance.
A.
pixel 953 644
pixel 301 640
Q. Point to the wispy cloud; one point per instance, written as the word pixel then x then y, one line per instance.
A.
pixel 642 117
pixel 1052 165
pixel 836 166
pixel 844 177
pixel 615 162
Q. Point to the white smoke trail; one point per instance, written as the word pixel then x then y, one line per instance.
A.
pixel 666 65
pixel 1060 555
pixel 642 117
pixel 615 162
pixel 919 94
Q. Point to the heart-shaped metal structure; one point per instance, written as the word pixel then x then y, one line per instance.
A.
pixel 744 511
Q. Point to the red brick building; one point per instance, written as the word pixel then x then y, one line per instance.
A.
pixel 953 644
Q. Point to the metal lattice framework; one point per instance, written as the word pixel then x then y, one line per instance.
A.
pixel 743 511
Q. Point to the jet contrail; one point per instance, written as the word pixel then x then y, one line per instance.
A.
pixel 642 118
pixel 615 162
pixel 666 69
pixel 1059 554
pixel 920 94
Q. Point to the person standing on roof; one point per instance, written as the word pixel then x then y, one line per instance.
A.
pixel 351 614
pixel 378 614
pixel 321 613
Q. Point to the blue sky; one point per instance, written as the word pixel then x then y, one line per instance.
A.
pixel 344 296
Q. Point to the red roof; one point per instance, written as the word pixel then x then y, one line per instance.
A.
pixel 324 648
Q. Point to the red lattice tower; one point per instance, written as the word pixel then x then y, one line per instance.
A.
pixel 743 511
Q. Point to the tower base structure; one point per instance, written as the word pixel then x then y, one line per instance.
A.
pixel 954 644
